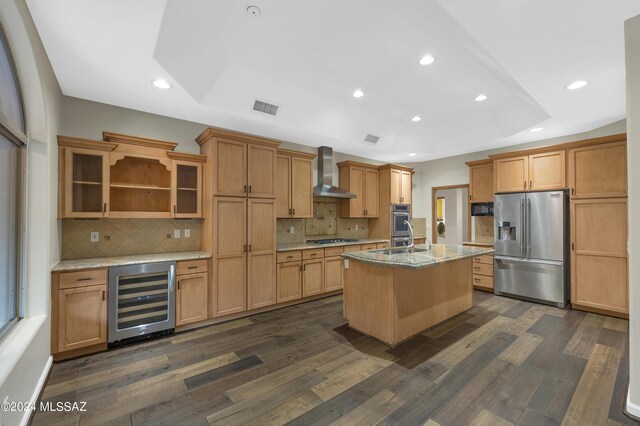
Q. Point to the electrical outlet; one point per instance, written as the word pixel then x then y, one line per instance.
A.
pixel 292 230
pixel 187 233
pixel 357 227
pixel 95 237
pixel 176 233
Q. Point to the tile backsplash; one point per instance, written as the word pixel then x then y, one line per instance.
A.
pixel 419 226
pixel 324 224
pixel 122 237
pixel 483 226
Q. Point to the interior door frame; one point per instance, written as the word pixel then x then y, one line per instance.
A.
pixel 434 206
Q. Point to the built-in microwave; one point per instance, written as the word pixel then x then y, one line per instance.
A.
pixel 481 209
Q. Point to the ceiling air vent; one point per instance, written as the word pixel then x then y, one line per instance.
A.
pixel 371 138
pixel 265 107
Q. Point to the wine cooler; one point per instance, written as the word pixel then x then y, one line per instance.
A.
pixel 141 300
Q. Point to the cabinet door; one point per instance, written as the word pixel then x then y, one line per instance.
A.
pixel 191 298
pixel 547 171
pixel 511 174
pixel 332 273
pixel 599 262
pixel 261 278
pixel 372 193
pixel 312 277
pixel 406 188
pixel 230 215
pixel 186 190
pixel 301 188
pixel 396 186
pixel 283 186
pixel 598 171
pixel 82 317
pixel 357 186
pixel 261 164
pixel 289 282
pixel 86 183
pixel 230 168
pixel 481 180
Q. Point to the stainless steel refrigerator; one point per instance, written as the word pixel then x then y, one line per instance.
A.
pixel 531 246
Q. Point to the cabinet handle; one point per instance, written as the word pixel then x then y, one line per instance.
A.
pixel 476 280
pixel 244 248
pixel 249 188
pixel 84 279
pixel 573 246
pixel 245 189
pixel 530 184
pixel 314 254
pixel 300 267
pixel 104 208
pixel 477 268
pixel 290 211
pixel 178 284
pixel 525 184
pixel 304 267
pixel 175 209
pixel 192 267
pixel 573 191
pixel 289 257
pixel 103 295
pixel 249 247
pixel 294 211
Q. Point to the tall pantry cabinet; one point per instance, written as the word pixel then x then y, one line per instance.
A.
pixel 239 226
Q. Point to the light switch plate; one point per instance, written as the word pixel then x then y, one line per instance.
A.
pixel 187 233
pixel 95 237
pixel 176 233
pixel 292 230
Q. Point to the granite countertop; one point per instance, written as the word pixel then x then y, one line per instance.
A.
pixel 484 243
pixel 307 246
pixel 105 262
pixel 439 254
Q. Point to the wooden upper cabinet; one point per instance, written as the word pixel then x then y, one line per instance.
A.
pixel 85 183
pixel 405 197
pixel 186 189
pixel 364 181
pixel 294 184
pixel 396 186
pixel 261 167
pixel 230 159
pixel 511 174
pixel 598 171
pixel 480 181
pixel 547 171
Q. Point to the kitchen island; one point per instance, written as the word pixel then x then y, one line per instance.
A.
pixel 394 295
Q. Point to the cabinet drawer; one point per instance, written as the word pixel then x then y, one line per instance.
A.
pixel 313 254
pixel 347 249
pixel 191 267
pixel 485 258
pixel 482 281
pixel 483 269
pixel 368 247
pixel 333 251
pixel 382 245
pixel 289 256
pixel 83 278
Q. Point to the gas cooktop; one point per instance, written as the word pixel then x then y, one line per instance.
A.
pixel 332 241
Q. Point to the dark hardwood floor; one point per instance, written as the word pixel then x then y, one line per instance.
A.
pixel 503 362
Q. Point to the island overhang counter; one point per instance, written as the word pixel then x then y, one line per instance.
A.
pixel 393 297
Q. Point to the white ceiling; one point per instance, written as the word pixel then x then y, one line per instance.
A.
pixel 308 58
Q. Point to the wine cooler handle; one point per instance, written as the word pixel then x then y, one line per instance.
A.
pixel 172 277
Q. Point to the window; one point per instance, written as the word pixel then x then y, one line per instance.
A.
pixel 12 143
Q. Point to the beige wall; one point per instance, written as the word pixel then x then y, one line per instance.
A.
pixel 453 171
pixel 632 41
pixel 25 354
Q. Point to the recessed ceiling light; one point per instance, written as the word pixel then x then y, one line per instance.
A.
pixel 481 98
pixel 413 154
pixel 427 60
pixel 536 129
pixel 416 118
pixel 577 84
pixel 358 93
pixel 161 84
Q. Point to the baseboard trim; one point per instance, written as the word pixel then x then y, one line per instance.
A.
pixel 37 392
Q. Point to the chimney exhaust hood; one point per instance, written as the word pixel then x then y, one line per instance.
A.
pixel 325 187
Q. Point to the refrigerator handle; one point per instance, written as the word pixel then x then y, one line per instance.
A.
pixel 522 227
pixel 528 214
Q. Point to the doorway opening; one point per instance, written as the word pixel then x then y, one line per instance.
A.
pixel 450 214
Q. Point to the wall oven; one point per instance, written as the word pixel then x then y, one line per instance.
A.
pixel 400 213
pixel 141 300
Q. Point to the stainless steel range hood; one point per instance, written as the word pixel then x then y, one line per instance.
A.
pixel 325 187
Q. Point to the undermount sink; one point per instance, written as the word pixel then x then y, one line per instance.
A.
pixel 400 250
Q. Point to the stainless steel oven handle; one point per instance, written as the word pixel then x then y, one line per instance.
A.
pixel 172 277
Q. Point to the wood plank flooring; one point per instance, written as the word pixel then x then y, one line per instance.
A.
pixel 504 362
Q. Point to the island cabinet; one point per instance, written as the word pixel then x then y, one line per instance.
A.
pixel 191 292
pixel 79 312
pixel 127 177
pixel 363 180
pixel 294 184
pixel 480 181
pixel 539 171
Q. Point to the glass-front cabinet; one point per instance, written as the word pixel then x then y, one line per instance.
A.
pixel 187 189
pixel 86 183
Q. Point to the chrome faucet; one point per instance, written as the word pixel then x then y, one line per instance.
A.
pixel 411 246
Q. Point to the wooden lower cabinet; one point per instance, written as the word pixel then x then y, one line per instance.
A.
pixel 191 298
pixel 312 277
pixel 261 280
pixel 289 281
pixel 230 285
pixel 82 317
pixel 599 261
pixel 332 273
